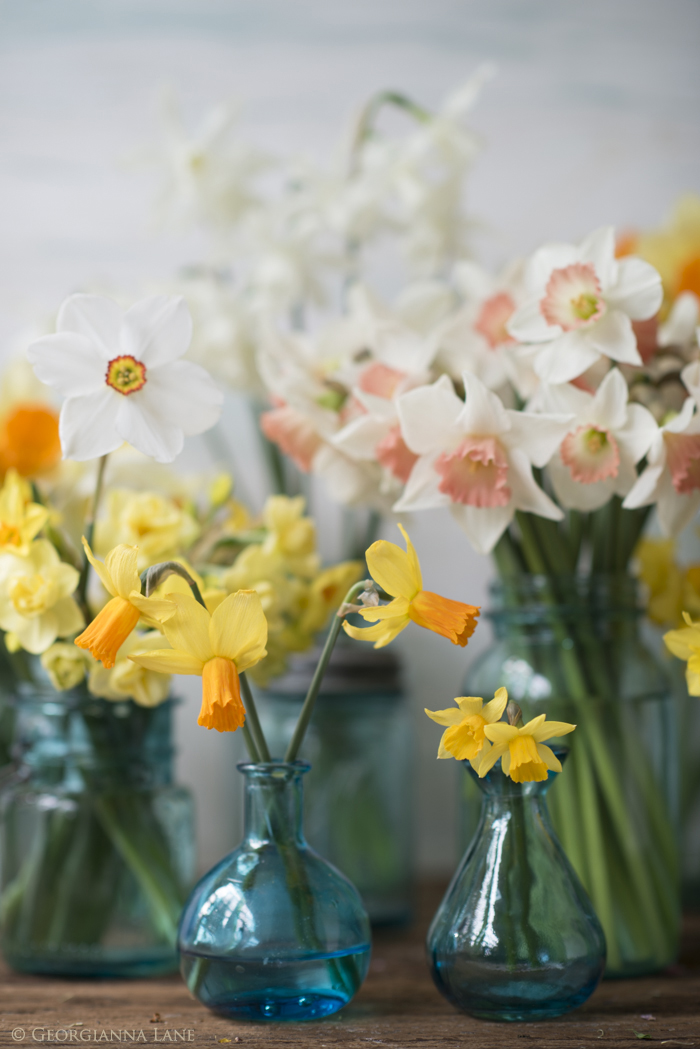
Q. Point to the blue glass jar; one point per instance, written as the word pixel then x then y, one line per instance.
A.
pixel 96 841
pixel 274 932
pixel 8 688
pixel 358 804
pixel 516 936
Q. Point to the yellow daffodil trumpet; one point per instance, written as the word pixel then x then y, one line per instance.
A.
pixel 464 737
pixel 524 757
pixel 685 644
pixel 398 573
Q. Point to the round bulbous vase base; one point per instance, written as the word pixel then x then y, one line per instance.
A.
pixel 303 989
pixel 89 964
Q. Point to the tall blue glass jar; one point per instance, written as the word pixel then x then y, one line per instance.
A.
pixel 359 801
pixel 274 932
pixel 96 841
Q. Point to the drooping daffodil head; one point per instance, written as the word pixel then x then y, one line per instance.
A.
pixel 216 646
pixel 398 573
pixel 524 756
pixel 464 737
pixel 685 644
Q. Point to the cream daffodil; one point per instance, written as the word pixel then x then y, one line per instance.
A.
pixel 36 605
pixel 128 680
pixel 398 573
pixel 20 519
pixel 64 664
pixel 465 737
pixel 112 625
pixel 524 757
pixel 685 644
pixel 217 648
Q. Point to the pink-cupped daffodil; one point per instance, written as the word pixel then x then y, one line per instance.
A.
pixel 112 625
pixel 685 644
pixel 217 647
pixel 524 757
pixel 398 573
pixel 464 737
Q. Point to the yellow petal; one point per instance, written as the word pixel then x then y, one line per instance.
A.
pixel 188 629
pixel 470 704
pixel 100 569
pixel 493 710
pixel 121 565
pixel 167 661
pixel 500 732
pixel 375 613
pixel 155 609
pixel 442 750
pixel 490 758
pixel 413 559
pixel 394 570
pixel 381 633
pixel 549 757
pixel 451 716
pixel 680 642
pixel 238 629
pixel 692 678
pixel 549 729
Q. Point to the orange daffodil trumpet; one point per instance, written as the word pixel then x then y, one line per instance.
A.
pixel 398 573
pixel 217 647
pixel 465 736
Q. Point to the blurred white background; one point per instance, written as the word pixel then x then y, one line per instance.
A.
pixel 592 119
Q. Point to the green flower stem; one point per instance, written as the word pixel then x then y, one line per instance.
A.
pixel 81 593
pixel 310 701
pixel 368 116
pixel 254 721
pixel 250 744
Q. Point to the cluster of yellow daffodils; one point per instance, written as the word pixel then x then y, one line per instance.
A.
pixel 475 733
pixel 670 587
pixel 685 644
pixel 161 526
pixel 397 572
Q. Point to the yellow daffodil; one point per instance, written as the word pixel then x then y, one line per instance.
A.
pixel 29 439
pixel 20 519
pixel 671 588
pixel 398 573
pixel 291 535
pixel 110 628
pixel 157 524
pixel 674 250
pixel 523 754
pixel 217 647
pixel 325 594
pixel 685 644
pixel 65 665
pixel 464 737
pixel 36 605
pixel 128 680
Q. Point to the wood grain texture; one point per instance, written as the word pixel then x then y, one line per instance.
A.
pixel 398 1006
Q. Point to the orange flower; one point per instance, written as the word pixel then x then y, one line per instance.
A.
pixel 29 440
pixel 398 573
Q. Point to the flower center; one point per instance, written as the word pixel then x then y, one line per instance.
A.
pixel 476 473
pixel 10 535
pixel 466 739
pixel 126 375
pixel 591 454
pixel 31 595
pixel 573 297
pixel 493 317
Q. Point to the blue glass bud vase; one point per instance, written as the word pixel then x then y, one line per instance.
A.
pixel 274 932
pixel 515 937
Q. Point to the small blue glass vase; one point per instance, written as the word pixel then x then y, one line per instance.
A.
pixel 274 932
pixel 515 937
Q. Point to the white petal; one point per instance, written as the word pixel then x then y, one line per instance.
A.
pixel 157 329
pixel 613 336
pixel 646 490
pixel 690 377
pixel 422 488
pixel 184 395
pixel 573 494
pixel 609 406
pixel 360 437
pixel 681 422
pixel 626 477
pixel 483 525
pixel 563 399
pixel 538 436
pixel 527 495
pixel 565 358
pixel 144 428
pixel 483 412
pixel 547 258
pixel 599 249
pixel 87 425
pixel 637 291
pixel 68 363
pixel 472 281
pixel 637 434
pixel 682 321
pixel 527 324
pixel 428 417
pixel 675 511
pixel 96 317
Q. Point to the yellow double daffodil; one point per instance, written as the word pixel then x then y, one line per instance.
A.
pixel 217 647
pixel 465 737
pixel 685 644
pixel 398 573
pixel 20 519
pixel 110 628
pixel 523 754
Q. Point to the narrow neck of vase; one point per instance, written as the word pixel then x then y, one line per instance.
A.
pixel 273 802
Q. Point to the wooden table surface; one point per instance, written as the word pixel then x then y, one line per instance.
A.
pixel 398 1006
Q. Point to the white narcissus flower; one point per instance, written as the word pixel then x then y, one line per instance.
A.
pixel 607 437
pixel 681 325
pixel 476 457
pixel 123 379
pixel 581 304
pixel 672 477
